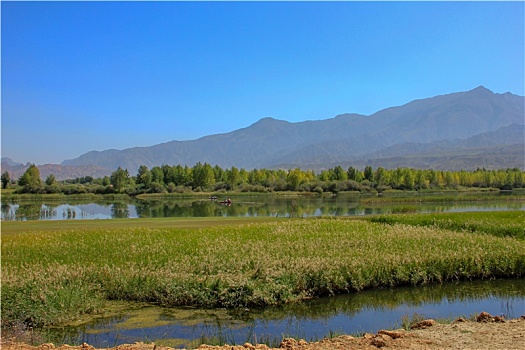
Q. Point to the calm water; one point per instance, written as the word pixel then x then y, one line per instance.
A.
pixel 342 205
pixel 367 311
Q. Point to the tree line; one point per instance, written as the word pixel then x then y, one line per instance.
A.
pixel 202 177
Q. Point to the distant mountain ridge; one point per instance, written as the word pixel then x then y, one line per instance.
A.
pixel 271 143
pixel 61 172
pixel 462 130
pixel 10 162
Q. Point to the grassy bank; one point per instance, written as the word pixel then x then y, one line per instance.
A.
pixel 54 273
pixel 444 197
pixel 10 196
pixel 501 224
pixel 390 196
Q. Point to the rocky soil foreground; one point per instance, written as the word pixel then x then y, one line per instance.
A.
pixel 487 332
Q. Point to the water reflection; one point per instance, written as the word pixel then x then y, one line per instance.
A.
pixel 120 210
pixel 368 311
pixel 343 205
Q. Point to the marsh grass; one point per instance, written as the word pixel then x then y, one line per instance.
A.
pixel 56 277
pixel 501 224
pixel 444 197
pixel 405 209
pixel 12 196
pixel 408 321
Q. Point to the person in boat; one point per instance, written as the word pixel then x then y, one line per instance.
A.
pixel 227 202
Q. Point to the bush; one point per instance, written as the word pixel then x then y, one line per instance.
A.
pixel 54 188
pixel 156 187
pixel 73 189
pixel 352 185
pixel 383 188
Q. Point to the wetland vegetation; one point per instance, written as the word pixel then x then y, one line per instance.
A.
pixel 315 319
pixel 63 272
pixel 54 273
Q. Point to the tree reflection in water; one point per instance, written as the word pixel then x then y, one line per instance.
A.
pixel 120 210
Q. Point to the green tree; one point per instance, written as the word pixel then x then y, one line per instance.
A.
pixel 450 180
pixel 119 179
pixel 359 176
pixel 420 180
pixel 380 176
pixel 255 177
pixel 396 180
pixel 30 180
pixel 310 175
pixel 338 174
pixel 157 175
pixel 6 179
pixel 243 176
pixel 433 178
pixel 294 179
pixel 169 173
pixel 232 177
pixel 51 180
pixel 517 178
pixel 354 174
pixel 52 184
pixel 182 175
pixel 408 179
pixel 219 174
pixel 368 173
pixel 203 175
pixel 144 176
pixel 324 175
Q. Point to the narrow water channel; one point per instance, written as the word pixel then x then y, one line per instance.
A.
pixel 356 313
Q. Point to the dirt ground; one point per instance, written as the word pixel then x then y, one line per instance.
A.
pixel 486 333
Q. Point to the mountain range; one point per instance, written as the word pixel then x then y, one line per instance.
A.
pixel 462 130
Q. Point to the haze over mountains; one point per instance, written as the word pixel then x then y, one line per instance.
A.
pixel 463 130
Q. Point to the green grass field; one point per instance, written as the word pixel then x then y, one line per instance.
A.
pixel 502 224
pixel 57 272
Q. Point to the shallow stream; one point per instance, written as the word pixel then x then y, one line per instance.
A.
pixel 355 313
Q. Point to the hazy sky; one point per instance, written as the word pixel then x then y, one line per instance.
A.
pixel 82 76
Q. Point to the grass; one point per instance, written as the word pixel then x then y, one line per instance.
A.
pixel 501 224
pixel 56 272
pixel 34 226
pixel 444 197
pixel 9 195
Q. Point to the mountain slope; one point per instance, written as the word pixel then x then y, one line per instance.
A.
pixel 268 143
pixel 16 170
pixel 9 162
pixel 501 149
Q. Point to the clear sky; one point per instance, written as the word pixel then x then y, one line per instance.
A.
pixel 82 76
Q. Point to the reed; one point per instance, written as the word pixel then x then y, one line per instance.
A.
pixel 444 197
pixel 502 224
pixel 56 277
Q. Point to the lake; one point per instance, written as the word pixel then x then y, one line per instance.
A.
pixel 242 206
pixel 354 313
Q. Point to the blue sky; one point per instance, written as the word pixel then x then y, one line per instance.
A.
pixel 82 76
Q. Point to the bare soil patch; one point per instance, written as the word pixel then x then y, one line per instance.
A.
pixel 487 332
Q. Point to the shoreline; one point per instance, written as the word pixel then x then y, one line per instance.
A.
pixel 487 332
